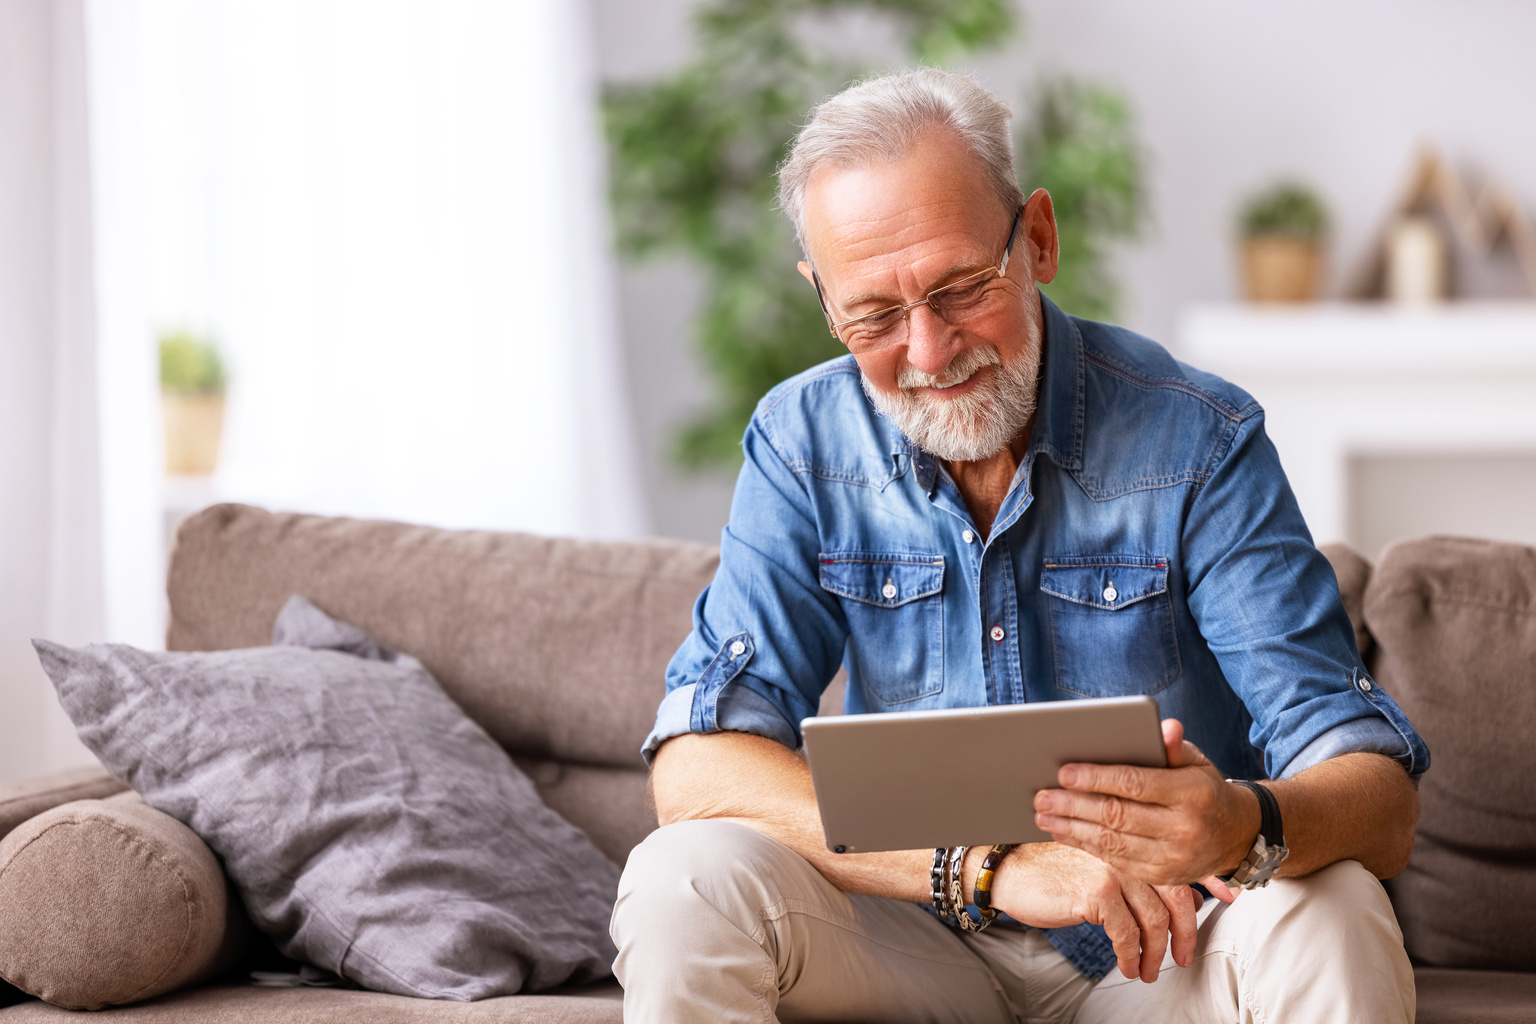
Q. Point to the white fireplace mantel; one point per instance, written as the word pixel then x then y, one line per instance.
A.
pixel 1344 380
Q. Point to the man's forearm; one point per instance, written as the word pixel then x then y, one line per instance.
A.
pixel 1354 807
pixel 757 782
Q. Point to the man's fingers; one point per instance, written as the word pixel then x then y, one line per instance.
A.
pixel 1112 812
pixel 1135 855
pixel 1219 889
pixel 1153 918
pixel 1124 934
pixel 1144 785
pixel 1173 742
pixel 1182 902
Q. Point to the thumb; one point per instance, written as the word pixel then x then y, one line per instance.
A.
pixel 1180 752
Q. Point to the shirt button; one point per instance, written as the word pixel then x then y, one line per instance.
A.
pixel 738 649
pixel 1365 684
pixel 889 590
pixel 968 537
pixel 1110 593
pixel 998 634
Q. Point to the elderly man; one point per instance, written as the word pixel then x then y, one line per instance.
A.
pixel 991 502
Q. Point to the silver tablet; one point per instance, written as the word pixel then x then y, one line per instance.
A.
pixel 966 776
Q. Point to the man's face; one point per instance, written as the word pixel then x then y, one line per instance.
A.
pixel 887 234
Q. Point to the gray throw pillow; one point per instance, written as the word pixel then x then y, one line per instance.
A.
pixel 370 826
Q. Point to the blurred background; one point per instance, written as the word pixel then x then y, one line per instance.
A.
pixel 514 265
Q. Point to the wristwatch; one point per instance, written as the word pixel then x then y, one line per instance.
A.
pixel 1269 849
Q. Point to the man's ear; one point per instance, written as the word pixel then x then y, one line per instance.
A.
pixel 1040 238
pixel 805 272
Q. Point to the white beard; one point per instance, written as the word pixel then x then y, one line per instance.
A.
pixel 965 428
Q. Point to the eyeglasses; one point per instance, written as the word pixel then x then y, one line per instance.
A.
pixel 955 303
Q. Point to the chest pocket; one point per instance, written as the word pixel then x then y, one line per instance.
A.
pixel 895 609
pixel 1111 624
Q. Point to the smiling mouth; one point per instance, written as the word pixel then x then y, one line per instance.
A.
pixel 937 386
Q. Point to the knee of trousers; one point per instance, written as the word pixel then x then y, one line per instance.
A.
pixel 697 875
pixel 1342 906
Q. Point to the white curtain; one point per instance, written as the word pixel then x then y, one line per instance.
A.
pixel 51 516
pixel 390 216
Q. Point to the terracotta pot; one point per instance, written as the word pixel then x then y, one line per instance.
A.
pixel 193 426
pixel 1280 269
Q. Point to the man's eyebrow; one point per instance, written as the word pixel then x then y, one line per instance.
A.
pixel 956 271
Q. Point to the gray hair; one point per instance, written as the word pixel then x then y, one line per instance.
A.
pixel 882 118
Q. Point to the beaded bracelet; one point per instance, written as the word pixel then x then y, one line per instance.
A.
pixel 983 887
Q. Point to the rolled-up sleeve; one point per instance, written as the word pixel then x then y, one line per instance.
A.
pixel 766 637
pixel 1267 603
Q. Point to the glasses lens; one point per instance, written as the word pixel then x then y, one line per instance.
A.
pixel 874 331
pixel 963 299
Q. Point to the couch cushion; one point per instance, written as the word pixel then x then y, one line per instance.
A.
pixel 1353 573
pixel 1474 997
pixel 21 801
pixel 557 647
pixel 609 804
pixel 373 829
pixel 110 901
pixel 1455 628
pixel 598 1004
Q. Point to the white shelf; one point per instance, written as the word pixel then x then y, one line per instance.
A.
pixel 1341 380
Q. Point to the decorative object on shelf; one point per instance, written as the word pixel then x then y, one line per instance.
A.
pixel 1285 230
pixel 192 383
pixel 1417 264
pixel 1439 236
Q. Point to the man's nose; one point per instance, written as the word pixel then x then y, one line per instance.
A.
pixel 931 343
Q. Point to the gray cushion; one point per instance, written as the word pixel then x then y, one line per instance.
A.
pixel 558 647
pixel 372 828
pixel 1455 628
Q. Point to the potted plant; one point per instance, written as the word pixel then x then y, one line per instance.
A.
pixel 192 382
pixel 1284 231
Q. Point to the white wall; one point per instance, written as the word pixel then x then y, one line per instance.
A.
pixel 1229 96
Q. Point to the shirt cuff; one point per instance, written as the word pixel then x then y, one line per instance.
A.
pixel 737 709
pixel 1370 735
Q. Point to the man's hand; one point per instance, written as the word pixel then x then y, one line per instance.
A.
pixel 1166 826
pixel 1050 886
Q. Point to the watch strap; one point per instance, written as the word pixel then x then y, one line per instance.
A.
pixel 1270 826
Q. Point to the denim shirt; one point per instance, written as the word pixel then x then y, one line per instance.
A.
pixel 1149 544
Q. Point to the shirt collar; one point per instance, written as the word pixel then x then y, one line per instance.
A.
pixel 1058 431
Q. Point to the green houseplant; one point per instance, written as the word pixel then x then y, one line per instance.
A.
pixel 1284 231
pixel 694 158
pixel 192 385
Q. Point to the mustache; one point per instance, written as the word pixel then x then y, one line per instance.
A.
pixel 962 366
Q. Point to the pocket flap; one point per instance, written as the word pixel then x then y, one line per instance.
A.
pixel 1105 581
pixel 884 580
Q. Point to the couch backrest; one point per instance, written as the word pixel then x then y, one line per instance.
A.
pixel 557 647
pixel 1454 625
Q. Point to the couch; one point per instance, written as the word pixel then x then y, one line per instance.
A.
pixel 557 647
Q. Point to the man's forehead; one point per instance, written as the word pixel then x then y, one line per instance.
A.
pixel 925 211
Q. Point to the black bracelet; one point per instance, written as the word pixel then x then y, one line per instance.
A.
pixel 1269 812
pixel 936 879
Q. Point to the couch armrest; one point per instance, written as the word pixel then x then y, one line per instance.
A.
pixel 22 801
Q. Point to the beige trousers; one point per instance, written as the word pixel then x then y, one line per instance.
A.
pixel 716 922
